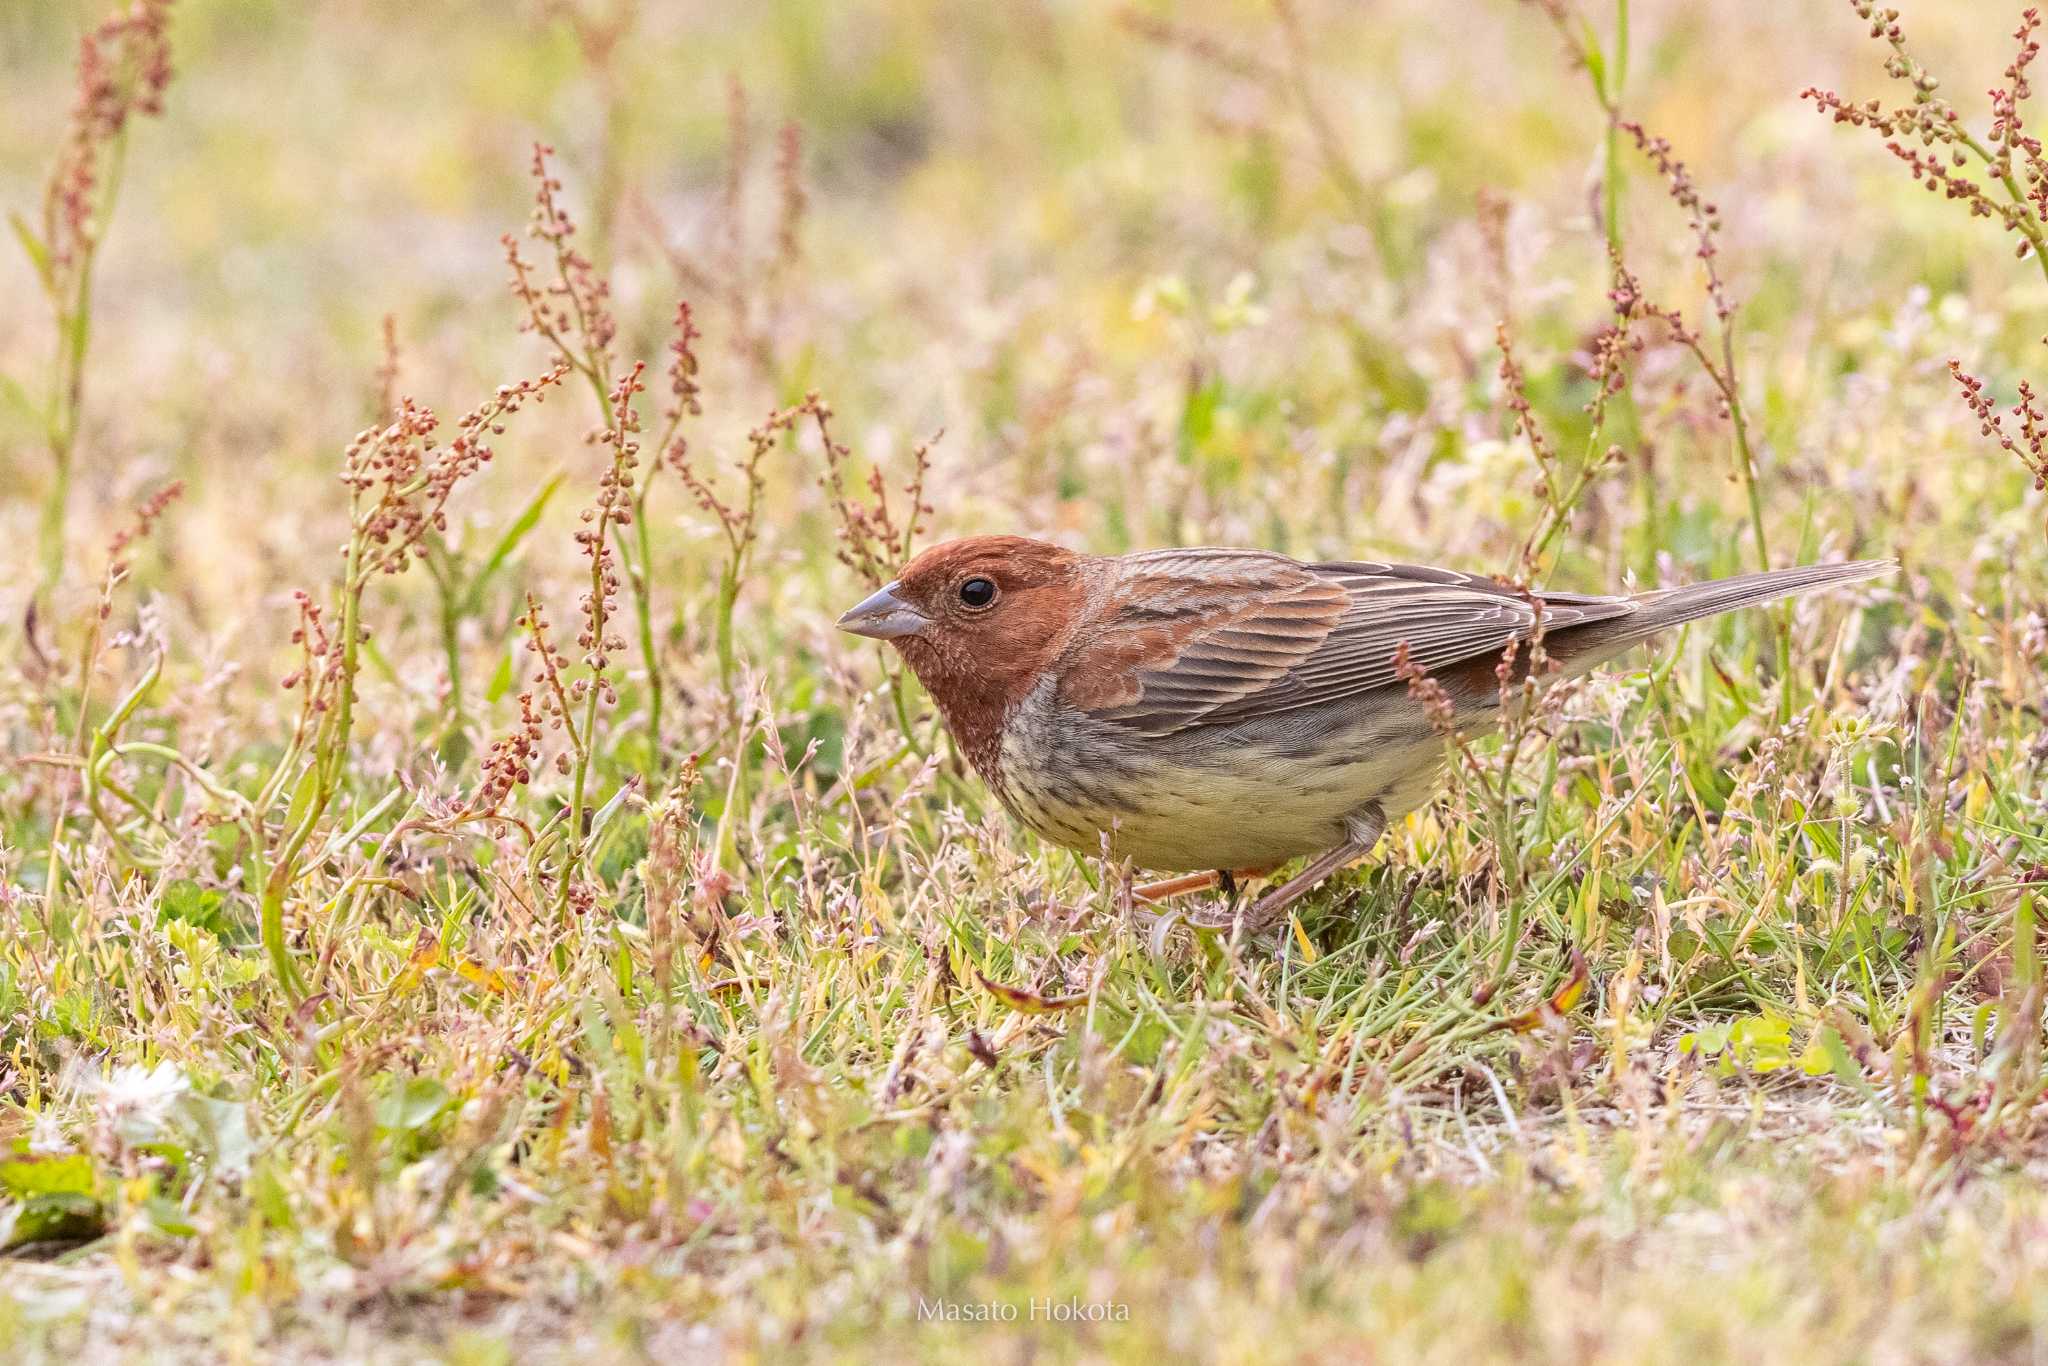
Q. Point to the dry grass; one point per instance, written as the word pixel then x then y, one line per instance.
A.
pixel 460 899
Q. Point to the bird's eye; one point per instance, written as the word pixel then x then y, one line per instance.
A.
pixel 978 592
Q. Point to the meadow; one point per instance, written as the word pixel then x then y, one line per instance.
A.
pixel 461 900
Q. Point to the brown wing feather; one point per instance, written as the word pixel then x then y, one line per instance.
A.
pixel 1179 633
pixel 1221 637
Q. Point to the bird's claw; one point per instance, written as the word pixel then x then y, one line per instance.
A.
pixel 1231 914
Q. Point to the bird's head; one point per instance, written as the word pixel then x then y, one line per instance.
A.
pixel 979 621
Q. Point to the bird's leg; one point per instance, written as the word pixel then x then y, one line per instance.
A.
pixel 1226 878
pixel 1177 886
pixel 1362 831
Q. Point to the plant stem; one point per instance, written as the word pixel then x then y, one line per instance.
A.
pixel 446 570
pixel 2029 227
pixel 600 622
pixel 333 746
pixel 74 336
pixel 54 505
pixel 1610 97
pixel 639 577
pixel 635 556
pixel 728 599
pixel 1745 456
pixel 451 649
pixel 330 756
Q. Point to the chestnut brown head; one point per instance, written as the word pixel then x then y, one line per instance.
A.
pixel 978 620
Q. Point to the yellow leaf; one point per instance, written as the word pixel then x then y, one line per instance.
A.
pixel 490 979
pixel 1979 797
pixel 426 954
pixel 1308 950
pixel 1569 994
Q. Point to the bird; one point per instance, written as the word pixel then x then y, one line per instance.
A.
pixel 1222 712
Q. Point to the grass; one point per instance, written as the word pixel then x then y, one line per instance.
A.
pixel 460 899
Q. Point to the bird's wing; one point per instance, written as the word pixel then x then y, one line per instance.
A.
pixel 1215 637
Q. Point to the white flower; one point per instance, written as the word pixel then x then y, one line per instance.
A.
pixel 137 1102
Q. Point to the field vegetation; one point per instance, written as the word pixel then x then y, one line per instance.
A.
pixel 460 899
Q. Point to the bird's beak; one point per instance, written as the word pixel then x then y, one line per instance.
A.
pixel 884 616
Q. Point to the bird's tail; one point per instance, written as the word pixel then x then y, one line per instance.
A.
pixel 1582 647
pixel 1668 607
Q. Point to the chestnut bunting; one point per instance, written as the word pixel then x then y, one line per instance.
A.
pixel 1231 710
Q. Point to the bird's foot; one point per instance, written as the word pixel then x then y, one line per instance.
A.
pixel 1363 832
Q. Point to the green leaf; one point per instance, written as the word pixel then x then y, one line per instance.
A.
pixel 30 1174
pixel 521 527
pixel 597 1031
pixel 168 1218
pixel 78 331
pixel 303 792
pixel 413 1105
pixel 1198 418
pixel 1762 1043
pixel 1840 1060
pixel 187 901
pixel 501 681
pixel 220 1129
pixel 38 251
pixel 379 662
pixel 1596 60
pixel 1707 1042
pixel 64 1216
pixel 2026 953
pixel 270 1198
pixel 610 809
pixel 14 396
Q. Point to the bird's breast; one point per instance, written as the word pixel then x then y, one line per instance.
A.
pixel 1210 797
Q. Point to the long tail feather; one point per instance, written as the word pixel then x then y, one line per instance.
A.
pixel 1580 648
pixel 1670 607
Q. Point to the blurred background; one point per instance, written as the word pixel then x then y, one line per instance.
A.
pixel 1208 272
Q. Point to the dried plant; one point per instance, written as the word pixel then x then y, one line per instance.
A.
pixel 124 68
pixel 738 517
pixel 605 32
pixel 93 741
pixel 557 710
pixel 1288 80
pixel 594 688
pixel 749 280
pixel 2031 448
pixel 510 762
pixel 2009 157
pixel 2013 189
pixel 1716 357
pixel 399 479
pixel 873 542
pixel 570 308
pixel 669 876
pixel 1561 491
